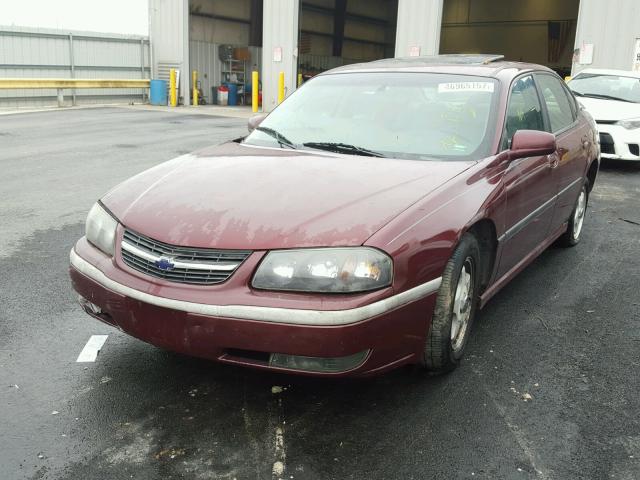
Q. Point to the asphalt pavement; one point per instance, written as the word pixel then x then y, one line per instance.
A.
pixel 549 388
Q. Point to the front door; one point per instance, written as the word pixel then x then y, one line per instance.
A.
pixel 574 143
pixel 529 182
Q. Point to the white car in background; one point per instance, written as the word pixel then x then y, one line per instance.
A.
pixel 613 99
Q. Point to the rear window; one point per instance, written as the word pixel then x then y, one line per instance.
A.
pixel 557 102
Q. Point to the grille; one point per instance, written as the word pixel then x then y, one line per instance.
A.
pixel 179 264
pixel 634 148
pixel 606 143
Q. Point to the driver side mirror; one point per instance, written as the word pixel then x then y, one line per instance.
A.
pixel 256 120
pixel 532 143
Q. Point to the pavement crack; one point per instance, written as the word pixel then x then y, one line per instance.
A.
pixel 517 434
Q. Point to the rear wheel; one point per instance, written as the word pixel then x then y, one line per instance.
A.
pixel 574 228
pixel 455 308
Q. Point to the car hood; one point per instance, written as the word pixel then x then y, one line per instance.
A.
pixel 610 110
pixel 237 196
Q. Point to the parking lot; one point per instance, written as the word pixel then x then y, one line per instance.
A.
pixel 548 389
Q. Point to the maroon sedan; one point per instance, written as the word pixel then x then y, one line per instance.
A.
pixel 357 228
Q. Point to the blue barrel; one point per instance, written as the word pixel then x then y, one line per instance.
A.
pixel 233 93
pixel 158 92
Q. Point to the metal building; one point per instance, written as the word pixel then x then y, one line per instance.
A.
pixel 49 53
pixel 610 31
pixel 303 37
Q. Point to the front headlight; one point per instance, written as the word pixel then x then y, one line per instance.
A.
pixel 100 229
pixel 325 270
pixel 629 124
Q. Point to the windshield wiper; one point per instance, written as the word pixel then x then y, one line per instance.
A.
pixel 606 97
pixel 282 140
pixel 342 148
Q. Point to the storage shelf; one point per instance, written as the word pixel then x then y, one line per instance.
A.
pixel 238 70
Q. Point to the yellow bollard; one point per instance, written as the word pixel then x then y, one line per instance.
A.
pixel 173 95
pixel 194 82
pixel 255 87
pixel 281 88
pixel 299 79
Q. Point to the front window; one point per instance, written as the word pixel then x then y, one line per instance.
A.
pixel 608 87
pixel 524 111
pixel 419 116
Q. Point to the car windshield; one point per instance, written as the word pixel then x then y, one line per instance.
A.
pixel 608 87
pixel 420 116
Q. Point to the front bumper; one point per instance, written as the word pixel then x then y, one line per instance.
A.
pixel 618 143
pixel 392 330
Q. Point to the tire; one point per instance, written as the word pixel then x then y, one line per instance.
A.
pixel 442 353
pixel 572 236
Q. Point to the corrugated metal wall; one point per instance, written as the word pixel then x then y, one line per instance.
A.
pixel 279 48
pixel 612 27
pixel 204 59
pixel 46 53
pixel 169 34
pixel 419 24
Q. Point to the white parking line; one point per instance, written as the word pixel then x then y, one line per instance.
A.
pixel 280 456
pixel 90 351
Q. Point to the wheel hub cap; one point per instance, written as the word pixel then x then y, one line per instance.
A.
pixel 578 217
pixel 462 305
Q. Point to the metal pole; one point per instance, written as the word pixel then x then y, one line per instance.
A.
pixel 60 98
pixel 280 88
pixel 73 70
pixel 142 65
pixel 255 86
pixel 194 83
pixel 173 98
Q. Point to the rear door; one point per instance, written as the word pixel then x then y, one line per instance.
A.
pixel 574 143
pixel 529 182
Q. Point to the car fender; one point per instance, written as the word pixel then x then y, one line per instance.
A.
pixel 422 238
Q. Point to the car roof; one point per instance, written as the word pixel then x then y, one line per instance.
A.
pixel 462 64
pixel 605 71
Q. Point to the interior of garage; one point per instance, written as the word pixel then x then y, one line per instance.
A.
pixel 340 32
pixel 538 31
pixel 225 39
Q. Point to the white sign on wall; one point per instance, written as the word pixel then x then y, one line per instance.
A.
pixel 414 51
pixel 586 54
pixel 277 54
pixel 636 56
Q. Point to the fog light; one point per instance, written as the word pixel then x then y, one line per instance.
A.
pixel 318 364
pixel 89 307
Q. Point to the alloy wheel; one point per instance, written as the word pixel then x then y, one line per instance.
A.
pixel 462 305
pixel 578 216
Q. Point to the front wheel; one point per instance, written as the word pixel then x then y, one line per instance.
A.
pixel 574 228
pixel 455 308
